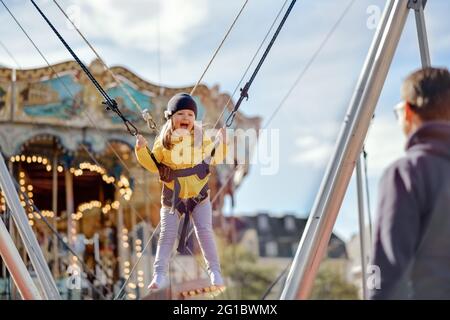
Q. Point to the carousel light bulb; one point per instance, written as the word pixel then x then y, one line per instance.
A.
pixel 12 159
pixel 22 188
pixel 140 272
pixel 33 158
pixel 17 158
pixel 60 169
pixel 30 187
pixel 49 167
pixel 30 194
pixel 44 161
pixel 22 158
pixel 139 254
pixel 39 159
pixel 22 174
pixel 30 216
pixel 31 222
pixel 125 245
pixel 28 159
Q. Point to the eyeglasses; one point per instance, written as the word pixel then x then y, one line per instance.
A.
pixel 399 110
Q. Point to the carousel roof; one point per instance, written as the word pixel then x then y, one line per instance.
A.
pixel 36 102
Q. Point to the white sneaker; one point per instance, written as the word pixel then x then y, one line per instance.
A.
pixel 216 279
pixel 159 281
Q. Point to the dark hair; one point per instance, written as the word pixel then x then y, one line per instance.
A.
pixel 427 91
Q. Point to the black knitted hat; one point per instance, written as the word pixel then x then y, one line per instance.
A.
pixel 180 101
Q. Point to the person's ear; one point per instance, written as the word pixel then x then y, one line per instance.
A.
pixel 408 113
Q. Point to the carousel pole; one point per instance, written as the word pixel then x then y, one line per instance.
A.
pixel 134 234
pixel 55 212
pixel 148 263
pixel 68 178
pixel 120 226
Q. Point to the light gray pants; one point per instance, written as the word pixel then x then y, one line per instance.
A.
pixel 202 217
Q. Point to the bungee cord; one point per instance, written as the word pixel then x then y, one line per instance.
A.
pixel 110 103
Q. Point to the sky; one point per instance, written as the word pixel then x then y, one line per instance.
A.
pixel 126 33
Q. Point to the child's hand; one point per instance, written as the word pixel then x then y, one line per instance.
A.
pixel 140 142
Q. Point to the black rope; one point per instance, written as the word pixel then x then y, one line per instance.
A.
pixel 272 285
pixel 244 91
pixel 366 178
pixel 110 103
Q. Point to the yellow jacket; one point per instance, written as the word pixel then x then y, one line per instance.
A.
pixel 179 158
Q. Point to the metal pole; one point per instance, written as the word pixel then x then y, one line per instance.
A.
pixel 16 267
pixel 12 232
pixel 362 225
pixel 318 230
pixel 69 204
pixel 44 275
pixel 121 249
pixel 55 212
pixel 418 6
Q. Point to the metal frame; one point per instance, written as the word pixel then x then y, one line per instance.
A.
pixel 48 285
pixel 362 225
pixel 16 267
pixel 316 235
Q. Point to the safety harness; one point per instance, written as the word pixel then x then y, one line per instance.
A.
pixel 171 198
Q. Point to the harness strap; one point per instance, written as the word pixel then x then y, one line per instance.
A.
pixel 185 207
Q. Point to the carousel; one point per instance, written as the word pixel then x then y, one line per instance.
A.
pixel 75 161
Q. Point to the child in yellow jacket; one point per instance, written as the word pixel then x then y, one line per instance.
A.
pixel 182 155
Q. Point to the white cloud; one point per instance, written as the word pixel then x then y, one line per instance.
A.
pixel 314 145
pixel 311 151
pixel 134 23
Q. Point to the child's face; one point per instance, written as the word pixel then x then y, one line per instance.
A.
pixel 184 120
